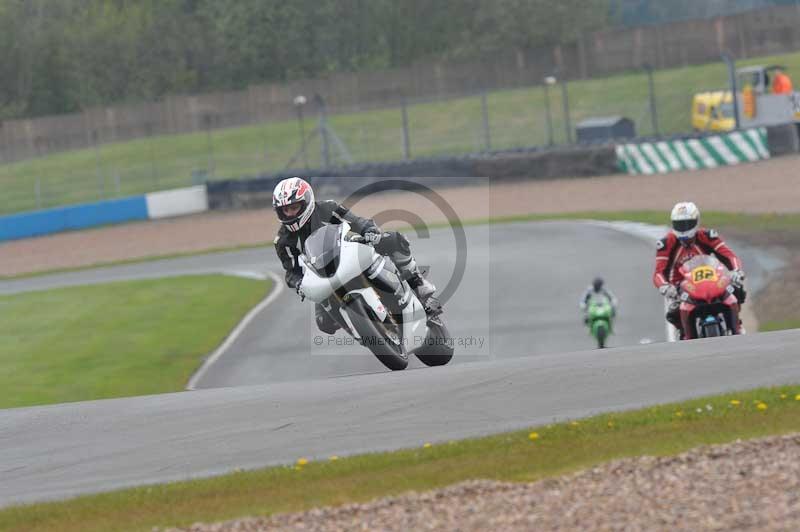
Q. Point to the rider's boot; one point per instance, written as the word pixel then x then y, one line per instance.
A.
pixel 421 286
pixel 674 318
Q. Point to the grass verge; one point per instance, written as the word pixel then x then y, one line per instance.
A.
pixel 117 339
pixel 778 325
pixel 720 220
pixel 516 117
pixel 517 456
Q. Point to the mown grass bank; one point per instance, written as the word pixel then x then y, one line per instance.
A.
pixel 115 340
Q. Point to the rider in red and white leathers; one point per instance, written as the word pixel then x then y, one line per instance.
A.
pixel 686 241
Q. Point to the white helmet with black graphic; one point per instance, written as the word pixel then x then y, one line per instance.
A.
pixel 685 219
pixel 293 200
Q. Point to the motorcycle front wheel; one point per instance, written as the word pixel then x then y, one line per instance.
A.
pixel 376 337
pixel 601 335
pixel 712 330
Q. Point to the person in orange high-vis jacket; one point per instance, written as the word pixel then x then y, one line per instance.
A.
pixel 782 83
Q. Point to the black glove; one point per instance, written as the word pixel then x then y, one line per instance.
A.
pixel 373 236
pixel 294 278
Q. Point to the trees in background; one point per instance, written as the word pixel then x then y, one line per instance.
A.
pixel 62 56
pixel 639 12
pixel 68 55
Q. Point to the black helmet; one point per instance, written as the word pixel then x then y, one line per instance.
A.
pixel 597 284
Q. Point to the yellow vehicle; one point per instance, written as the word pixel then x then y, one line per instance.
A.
pixel 713 111
pixel 759 105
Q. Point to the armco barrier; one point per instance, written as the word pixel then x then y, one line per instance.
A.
pixel 693 154
pixel 151 206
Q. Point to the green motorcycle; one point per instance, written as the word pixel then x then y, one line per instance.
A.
pixel 600 316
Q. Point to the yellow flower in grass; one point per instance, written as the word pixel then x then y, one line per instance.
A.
pixel 797 397
pixel 427 445
pixel 533 436
pixel 302 461
pixel 735 402
pixel 679 413
pixel 761 406
pixel 333 458
pixel 783 396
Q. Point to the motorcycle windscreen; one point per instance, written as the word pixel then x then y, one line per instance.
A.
pixel 322 249
pixel 701 260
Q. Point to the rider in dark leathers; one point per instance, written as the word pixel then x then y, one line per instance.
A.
pixel 300 215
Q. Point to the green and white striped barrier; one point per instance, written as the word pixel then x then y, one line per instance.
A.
pixel 694 154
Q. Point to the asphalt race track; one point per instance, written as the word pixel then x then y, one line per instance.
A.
pixel 522 359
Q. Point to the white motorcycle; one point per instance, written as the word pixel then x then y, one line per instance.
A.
pixel 366 295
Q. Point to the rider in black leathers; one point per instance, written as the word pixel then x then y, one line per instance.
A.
pixel 300 215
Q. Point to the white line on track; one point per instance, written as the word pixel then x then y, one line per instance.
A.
pixel 277 288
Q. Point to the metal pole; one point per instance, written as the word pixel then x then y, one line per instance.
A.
pixel 653 106
pixel 487 135
pixel 302 128
pixel 98 162
pixel 731 63
pixel 153 169
pixel 210 145
pixel 548 113
pixel 37 188
pixel 406 137
pixel 565 100
pixel 323 130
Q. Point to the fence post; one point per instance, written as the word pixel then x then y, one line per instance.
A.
pixel 406 137
pixel 210 144
pixel 653 105
pixel 548 82
pixel 565 99
pixel 37 189
pixel 731 62
pixel 299 102
pixel 99 163
pixel 487 136
pixel 153 169
pixel 323 131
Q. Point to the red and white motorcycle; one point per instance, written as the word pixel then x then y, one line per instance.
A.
pixel 708 306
